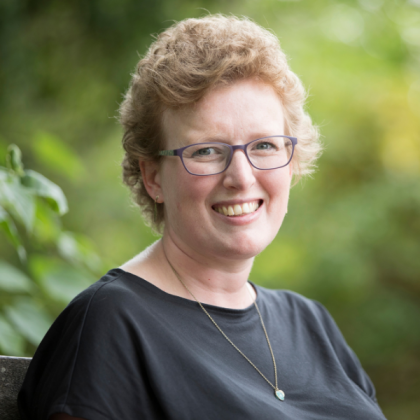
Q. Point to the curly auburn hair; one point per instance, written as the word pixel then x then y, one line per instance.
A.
pixel 184 63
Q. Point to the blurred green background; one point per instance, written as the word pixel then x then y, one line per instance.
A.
pixel 351 238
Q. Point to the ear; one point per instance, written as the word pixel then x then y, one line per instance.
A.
pixel 151 179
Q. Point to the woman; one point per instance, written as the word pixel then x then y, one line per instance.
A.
pixel 214 132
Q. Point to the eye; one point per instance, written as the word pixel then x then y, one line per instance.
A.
pixel 265 146
pixel 205 151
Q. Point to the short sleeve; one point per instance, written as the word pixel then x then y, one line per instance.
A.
pixel 91 353
pixel 345 354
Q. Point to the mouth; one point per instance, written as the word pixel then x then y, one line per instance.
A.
pixel 234 210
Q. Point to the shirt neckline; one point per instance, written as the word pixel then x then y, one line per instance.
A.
pixel 188 302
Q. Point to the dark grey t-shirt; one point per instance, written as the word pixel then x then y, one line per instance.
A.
pixel 125 350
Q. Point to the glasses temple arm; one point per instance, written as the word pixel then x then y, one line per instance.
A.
pixel 167 153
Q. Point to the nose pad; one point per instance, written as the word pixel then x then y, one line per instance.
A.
pixel 234 161
pixel 240 173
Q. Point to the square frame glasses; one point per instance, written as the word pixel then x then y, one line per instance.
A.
pixel 179 152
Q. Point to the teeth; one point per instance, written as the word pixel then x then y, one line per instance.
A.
pixel 238 209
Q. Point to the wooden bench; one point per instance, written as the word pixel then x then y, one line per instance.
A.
pixel 12 372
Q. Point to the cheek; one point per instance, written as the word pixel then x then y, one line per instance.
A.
pixel 185 194
pixel 278 186
pixel 196 190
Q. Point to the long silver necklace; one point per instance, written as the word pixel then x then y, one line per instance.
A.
pixel 277 392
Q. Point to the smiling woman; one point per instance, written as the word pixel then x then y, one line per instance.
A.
pixel 237 113
pixel 214 133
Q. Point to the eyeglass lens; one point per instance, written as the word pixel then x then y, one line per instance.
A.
pixel 213 158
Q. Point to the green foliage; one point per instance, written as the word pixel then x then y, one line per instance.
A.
pixel 29 318
pixel 42 187
pixel 11 341
pixel 13 280
pixel 19 190
pixel 33 293
pixel 51 152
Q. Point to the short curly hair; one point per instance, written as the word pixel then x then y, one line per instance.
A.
pixel 184 63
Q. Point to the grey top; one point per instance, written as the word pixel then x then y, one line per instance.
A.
pixel 124 349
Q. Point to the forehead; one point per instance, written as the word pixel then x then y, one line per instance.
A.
pixel 237 113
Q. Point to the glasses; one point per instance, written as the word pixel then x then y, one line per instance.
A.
pixel 213 158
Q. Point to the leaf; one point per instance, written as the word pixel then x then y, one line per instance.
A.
pixel 30 319
pixel 54 154
pixel 68 247
pixel 8 226
pixel 18 200
pixel 77 249
pixel 59 280
pixel 47 226
pixel 3 149
pixel 63 283
pixel 43 187
pixel 11 342
pixel 13 280
pixel 14 159
pixel 4 173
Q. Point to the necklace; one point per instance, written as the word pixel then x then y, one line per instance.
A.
pixel 277 392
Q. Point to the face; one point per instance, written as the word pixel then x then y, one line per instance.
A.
pixel 194 218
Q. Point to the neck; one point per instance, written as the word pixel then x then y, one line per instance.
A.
pixel 215 282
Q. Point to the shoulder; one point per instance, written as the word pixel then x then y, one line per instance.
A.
pixel 100 317
pixel 288 300
pixel 303 314
pixel 112 292
pixel 311 320
pixel 97 339
pixel 113 281
pixel 103 306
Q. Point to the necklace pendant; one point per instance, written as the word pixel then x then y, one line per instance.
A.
pixel 279 394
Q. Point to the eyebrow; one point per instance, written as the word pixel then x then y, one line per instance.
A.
pixel 223 139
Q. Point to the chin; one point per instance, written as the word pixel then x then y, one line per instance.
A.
pixel 243 248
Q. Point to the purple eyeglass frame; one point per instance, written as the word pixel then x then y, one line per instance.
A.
pixel 178 152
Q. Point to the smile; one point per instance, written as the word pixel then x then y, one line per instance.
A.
pixel 238 209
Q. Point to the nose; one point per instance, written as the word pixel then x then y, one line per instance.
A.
pixel 240 174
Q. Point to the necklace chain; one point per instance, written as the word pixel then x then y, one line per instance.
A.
pixel 276 389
